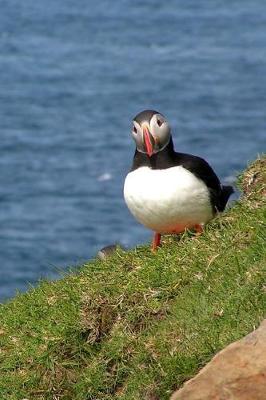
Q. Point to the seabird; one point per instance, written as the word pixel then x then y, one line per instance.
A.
pixel 166 191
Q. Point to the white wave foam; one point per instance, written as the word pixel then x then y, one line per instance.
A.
pixel 104 177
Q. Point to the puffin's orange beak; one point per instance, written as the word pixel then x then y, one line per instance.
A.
pixel 147 140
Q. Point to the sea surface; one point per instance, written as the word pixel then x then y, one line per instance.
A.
pixel 72 76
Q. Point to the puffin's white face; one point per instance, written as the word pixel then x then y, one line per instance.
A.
pixel 151 132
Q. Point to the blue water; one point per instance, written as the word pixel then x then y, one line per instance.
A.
pixel 73 74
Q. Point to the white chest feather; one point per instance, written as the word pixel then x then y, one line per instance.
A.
pixel 167 200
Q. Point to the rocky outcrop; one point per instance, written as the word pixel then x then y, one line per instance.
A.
pixel 236 373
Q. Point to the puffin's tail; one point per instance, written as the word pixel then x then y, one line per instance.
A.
pixel 224 196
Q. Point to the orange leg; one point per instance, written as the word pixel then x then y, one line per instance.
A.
pixel 156 241
pixel 199 229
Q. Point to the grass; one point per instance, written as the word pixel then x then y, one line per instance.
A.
pixel 137 325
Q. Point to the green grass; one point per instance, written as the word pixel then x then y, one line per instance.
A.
pixel 137 325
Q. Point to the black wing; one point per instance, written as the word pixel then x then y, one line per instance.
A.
pixel 202 170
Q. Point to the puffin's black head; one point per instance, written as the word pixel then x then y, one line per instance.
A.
pixel 151 132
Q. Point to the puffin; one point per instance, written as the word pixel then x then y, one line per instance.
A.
pixel 166 191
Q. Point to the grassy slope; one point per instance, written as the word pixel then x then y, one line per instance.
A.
pixel 137 325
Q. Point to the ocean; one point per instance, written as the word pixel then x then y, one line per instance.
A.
pixel 72 76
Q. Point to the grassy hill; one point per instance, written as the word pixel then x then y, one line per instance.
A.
pixel 139 324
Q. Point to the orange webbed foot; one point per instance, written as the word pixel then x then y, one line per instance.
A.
pixel 198 229
pixel 156 241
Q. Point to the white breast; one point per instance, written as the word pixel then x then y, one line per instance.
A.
pixel 167 200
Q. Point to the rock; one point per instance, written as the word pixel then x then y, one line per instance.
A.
pixel 238 372
pixel 107 251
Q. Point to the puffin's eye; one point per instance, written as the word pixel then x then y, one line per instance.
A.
pixel 134 129
pixel 159 122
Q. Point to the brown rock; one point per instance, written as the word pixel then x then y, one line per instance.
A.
pixel 107 251
pixel 236 373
